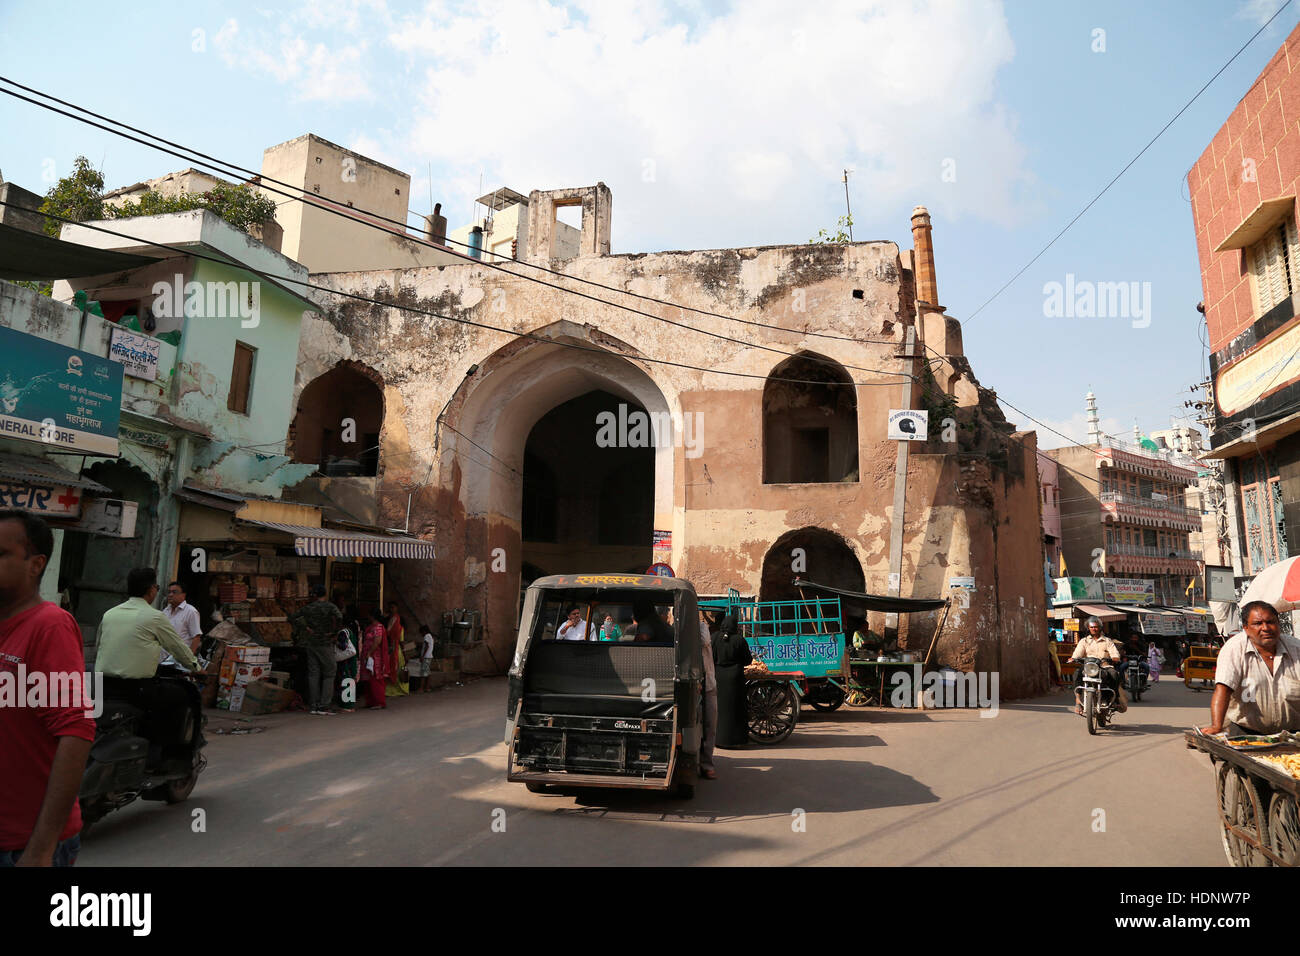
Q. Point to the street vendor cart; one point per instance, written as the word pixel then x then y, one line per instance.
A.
pixel 800 653
pixel 1258 796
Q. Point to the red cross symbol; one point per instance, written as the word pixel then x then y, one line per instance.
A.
pixel 68 499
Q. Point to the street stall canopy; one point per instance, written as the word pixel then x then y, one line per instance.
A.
pixel 39 471
pixel 878 602
pixel 338 543
pixel 31 255
pixel 1101 612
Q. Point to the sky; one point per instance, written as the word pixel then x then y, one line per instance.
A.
pixel 720 125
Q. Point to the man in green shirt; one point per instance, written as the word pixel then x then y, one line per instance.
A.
pixel 316 628
pixel 132 634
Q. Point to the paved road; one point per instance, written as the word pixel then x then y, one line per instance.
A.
pixel 423 783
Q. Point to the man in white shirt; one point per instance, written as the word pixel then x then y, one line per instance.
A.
pixel 426 658
pixel 575 628
pixel 184 618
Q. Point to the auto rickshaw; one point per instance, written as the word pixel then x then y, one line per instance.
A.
pixel 610 703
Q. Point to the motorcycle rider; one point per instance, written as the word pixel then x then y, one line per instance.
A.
pixel 131 636
pixel 1097 644
pixel 1134 653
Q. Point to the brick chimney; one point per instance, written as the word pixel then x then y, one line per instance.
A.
pixel 923 257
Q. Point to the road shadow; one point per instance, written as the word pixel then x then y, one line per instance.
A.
pixel 762 788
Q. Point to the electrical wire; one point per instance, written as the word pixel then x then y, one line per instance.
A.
pixel 514 333
pixel 350 215
pixel 1129 164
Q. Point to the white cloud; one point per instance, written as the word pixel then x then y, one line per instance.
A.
pixel 314 70
pixel 732 121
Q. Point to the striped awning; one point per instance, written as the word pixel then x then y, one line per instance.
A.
pixel 336 543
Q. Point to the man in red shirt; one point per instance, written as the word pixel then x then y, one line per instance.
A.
pixel 44 742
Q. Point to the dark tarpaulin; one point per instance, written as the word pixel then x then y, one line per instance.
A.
pixel 877 602
pixel 27 256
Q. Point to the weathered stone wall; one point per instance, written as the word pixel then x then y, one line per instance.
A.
pixel 463 479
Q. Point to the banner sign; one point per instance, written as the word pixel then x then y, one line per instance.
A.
pixel 1129 591
pixel 1077 589
pixel 138 354
pixel 815 655
pixel 662 547
pixel 58 396
pixel 48 501
pixel 1162 625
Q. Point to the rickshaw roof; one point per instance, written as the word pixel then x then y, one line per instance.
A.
pixel 567 582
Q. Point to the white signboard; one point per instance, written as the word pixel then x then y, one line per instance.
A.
pixel 908 424
pixel 966 583
pixel 1219 584
pixel 137 353
pixel 48 501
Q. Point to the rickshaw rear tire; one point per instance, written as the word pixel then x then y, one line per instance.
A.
pixel 535 787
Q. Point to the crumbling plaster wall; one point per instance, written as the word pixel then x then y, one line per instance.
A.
pixel 858 291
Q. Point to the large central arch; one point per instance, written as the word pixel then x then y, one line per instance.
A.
pixel 512 391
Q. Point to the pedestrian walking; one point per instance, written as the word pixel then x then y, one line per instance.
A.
pixel 316 628
pixel 398 683
pixel 1155 661
pixel 349 666
pixel 374 667
pixel 710 710
pixel 426 657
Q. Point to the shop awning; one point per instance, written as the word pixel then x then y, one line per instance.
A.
pixel 336 543
pixel 878 602
pixel 1100 612
pixel 33 255
pixel 40 471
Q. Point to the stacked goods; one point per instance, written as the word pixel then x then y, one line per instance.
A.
pixel 264 697
pixel 243 664
pixel 264 585
pixel 232 592
pixel 240 611
pixel 275 632
pixel 265 609
pixel 1290 763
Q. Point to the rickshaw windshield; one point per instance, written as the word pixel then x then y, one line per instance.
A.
pixel 610 616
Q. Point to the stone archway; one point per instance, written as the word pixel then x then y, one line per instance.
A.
pixel 485 445
pixel 811 553
pixel 338 422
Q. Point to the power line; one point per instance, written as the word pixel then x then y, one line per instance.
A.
pixel 349 214
pixel 339 207
pixel 1143 150
pixel 436 315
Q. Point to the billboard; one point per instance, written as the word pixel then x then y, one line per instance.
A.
pixel 58 396
pixel 1129 590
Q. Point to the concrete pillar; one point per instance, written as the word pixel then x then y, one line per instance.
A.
pixel 923 257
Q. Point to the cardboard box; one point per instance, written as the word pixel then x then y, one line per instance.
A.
pixel 246 673
pixel 249 654
pixel 236 701
pixel 263 697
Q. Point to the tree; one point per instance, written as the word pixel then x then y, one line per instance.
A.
pixel 78 197
pixel 843 224
pixel 241 206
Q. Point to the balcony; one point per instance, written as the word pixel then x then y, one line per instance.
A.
pixel 1150 512
pixel 1147 551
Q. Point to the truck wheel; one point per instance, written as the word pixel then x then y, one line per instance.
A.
pixel 535 787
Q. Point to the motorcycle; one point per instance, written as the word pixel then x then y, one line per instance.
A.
pixel 1097 700
pixel 148 744
pixel 1137 678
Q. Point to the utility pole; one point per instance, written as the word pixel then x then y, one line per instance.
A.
pixel 849 209
pixel 900 486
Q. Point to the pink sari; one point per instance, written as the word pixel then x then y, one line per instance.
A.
pixel 374 648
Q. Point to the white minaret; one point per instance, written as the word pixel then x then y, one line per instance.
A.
pixel 1137 433
pixel 1094 424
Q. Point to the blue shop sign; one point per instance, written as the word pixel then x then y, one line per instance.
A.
pixel 57 396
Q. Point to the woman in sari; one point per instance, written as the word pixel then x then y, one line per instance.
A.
pixel 374 661
pixel 398 681
pixel 349 670
pixel 1155 660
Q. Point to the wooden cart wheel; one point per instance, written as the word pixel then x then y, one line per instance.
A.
pixel 1239 806
pixel 1284 827
pixel 773 711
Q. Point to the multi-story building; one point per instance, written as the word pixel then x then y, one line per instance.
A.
pixel 1243 190
pixel 1049 484
pixel 1125 512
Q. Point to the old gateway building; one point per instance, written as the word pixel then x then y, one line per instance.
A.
pixel 723 411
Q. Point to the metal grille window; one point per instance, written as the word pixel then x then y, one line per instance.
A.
pixel 1261 499
pixel 1273 262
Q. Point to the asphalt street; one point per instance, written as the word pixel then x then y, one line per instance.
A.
pixel 423 783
